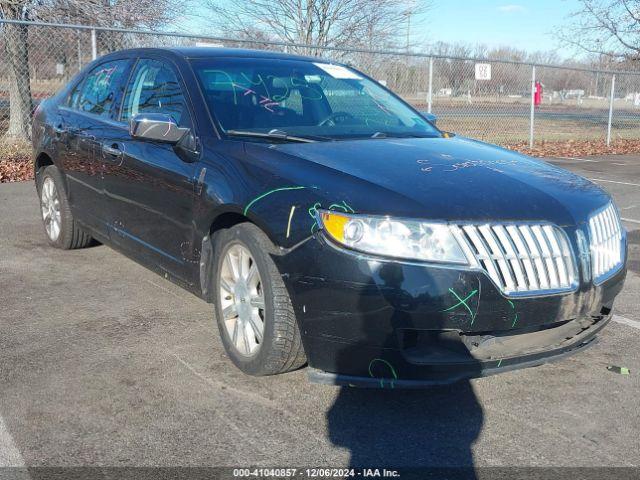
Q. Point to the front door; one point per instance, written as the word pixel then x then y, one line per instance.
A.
pixel 149 187
pixel 89 105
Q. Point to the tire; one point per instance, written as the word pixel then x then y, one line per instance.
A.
pixel 54 204
pixel 280 349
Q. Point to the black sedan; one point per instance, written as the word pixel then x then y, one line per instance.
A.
pixel 327 221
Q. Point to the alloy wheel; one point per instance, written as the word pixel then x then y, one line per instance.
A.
pixel 50 206
pixel 242 300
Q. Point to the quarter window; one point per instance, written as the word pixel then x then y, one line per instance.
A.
pixel 97 92
pixel 155 88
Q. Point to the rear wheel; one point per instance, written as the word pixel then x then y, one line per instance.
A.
pixel 60 227
pixel 253 309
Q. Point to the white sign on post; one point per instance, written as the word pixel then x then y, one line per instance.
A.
pixel 209 44
pixel 338 71
pixel 483 71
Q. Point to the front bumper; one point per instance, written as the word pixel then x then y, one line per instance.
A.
pixel 366 321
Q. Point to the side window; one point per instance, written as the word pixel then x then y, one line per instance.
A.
pixel 96 93
pixel 72 101
pixel 154 88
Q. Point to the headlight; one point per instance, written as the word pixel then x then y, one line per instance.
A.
pixel 432 242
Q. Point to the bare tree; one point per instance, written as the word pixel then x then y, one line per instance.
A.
pixel 454 71
pixel 113 13
pixel 324 23
pixel 609 27
pixel 17 54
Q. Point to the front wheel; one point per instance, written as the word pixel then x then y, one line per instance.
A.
pixel 252 306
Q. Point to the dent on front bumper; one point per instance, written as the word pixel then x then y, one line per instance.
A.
pixel 372 322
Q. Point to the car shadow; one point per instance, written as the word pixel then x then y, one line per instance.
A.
pixel 429 428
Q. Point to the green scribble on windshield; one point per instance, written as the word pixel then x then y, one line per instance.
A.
pixel 230 82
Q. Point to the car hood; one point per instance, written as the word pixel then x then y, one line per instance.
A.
pixel 454 179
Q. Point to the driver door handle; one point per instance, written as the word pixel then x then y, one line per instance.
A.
pixel 59 129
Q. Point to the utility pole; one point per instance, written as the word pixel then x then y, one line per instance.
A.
pixel 611 100
pixel 409 13
pixel 411 7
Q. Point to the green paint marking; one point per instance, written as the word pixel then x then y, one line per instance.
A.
pixel 500 362
pixel 344 206
pixel 260 197
pixel 462 302
pixel 516 317
pixel 230 82
pixel 337 206
pixel 313 213
pixel 393 372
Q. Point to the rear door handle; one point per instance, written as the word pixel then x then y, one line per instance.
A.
pixel 112 149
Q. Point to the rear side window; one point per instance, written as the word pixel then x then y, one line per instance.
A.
pixel 97 92
pixel 154 88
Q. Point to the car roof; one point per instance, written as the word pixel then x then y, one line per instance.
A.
pixel 216 52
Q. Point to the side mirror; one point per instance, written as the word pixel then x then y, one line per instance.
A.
pixel 159 127
pixel 429 117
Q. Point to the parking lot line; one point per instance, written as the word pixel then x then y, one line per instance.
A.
pixel 577 159
pixel 630 220
pixel 615 181
pixel 626 321
pixel 227 389
pixel 9 454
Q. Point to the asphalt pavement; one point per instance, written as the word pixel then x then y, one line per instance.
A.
pixel 104 363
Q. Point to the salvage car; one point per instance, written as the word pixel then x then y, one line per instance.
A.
pixel 328 221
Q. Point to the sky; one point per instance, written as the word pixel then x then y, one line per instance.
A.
pixel 526 24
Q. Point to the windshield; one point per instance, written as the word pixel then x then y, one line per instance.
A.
pixel 304 99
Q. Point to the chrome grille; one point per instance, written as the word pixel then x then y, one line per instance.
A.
pixel 606 243
pixel 521 259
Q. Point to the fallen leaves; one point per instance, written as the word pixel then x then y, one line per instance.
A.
pixel 15 162
pixel 577 148
pixel 15 171
pixel 16 165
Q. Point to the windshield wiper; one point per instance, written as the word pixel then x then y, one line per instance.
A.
pixel 273 134
pixel 400 135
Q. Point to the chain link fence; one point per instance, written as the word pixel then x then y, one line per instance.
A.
pixel 506 103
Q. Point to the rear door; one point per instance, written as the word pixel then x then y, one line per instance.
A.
pixel 149 185
pixel 90 104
